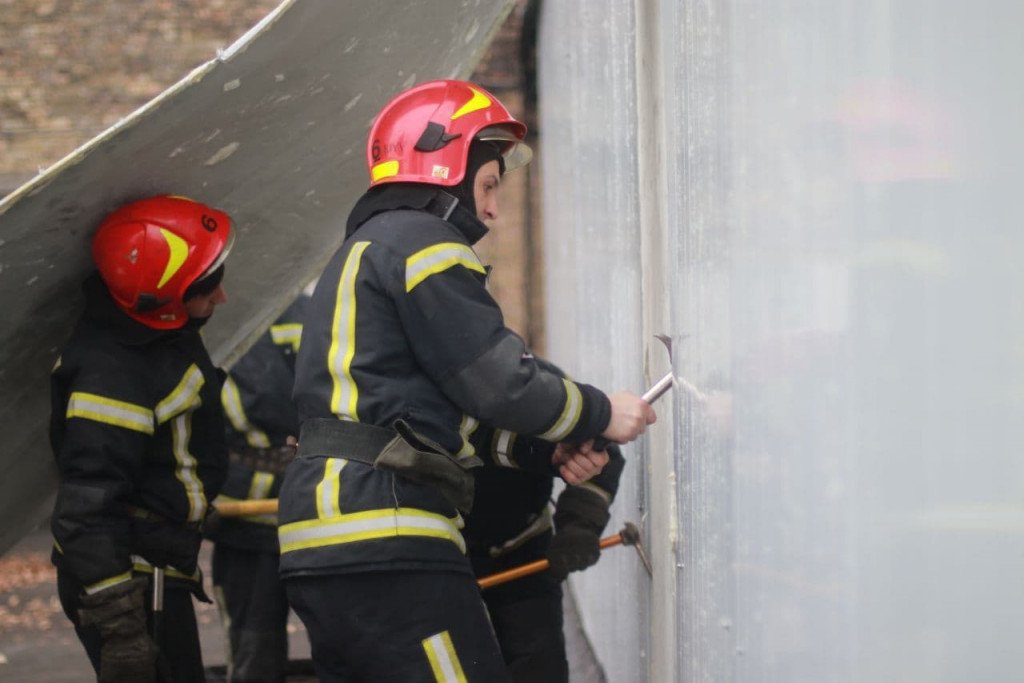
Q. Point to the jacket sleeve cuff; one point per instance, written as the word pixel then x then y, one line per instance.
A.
pixel 595 414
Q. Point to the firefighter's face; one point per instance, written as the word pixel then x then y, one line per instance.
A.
pixel 202 305
pixel 485 191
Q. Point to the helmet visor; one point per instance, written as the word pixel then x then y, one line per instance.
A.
pixel 515 152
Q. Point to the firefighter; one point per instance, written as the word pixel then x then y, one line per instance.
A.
pixel 257 399
pixel 404 354
pixel 138 435
pixel 511 524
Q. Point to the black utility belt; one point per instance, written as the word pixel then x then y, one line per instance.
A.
pixel 397 448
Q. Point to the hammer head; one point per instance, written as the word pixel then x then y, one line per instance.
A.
pixel 630 535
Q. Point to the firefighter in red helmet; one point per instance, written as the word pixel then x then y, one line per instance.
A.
pixel 404 354
pixel 138 435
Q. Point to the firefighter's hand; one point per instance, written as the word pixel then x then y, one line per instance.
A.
pixel 580 516
pixel 127 653
pixel 577 464
pixel 630 417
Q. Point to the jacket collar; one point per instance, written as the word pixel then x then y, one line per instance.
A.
pixel 419 197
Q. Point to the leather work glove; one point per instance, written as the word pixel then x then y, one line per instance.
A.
pixel 580 517
pixel 128 654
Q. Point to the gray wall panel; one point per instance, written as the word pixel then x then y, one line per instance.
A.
pixel 824 199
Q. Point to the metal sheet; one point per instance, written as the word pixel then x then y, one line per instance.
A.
pixel 273 131
pixel 825 200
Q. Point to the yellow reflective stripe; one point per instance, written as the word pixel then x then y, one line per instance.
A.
pixel 109 411
pixel 185 471
pixel 107 583
pixel 369 525
pixel 570 413
pixel 329 488
pixel 260 486
pixel 232 401
pixel 443 660
pixel 384 169
pixel 501 447
pixel 476 103
pixel 436 259
pixel 466 429
pixel 287 334
pixel 345 394
pixel 183 397
pixel 142 565
pixel 177 253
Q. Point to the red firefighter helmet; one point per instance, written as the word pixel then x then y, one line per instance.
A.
pixel 150 251
pixel 423 135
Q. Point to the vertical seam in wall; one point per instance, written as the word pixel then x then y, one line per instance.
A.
pixel 652 174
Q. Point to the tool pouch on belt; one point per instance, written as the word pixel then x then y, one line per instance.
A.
pixel 398 449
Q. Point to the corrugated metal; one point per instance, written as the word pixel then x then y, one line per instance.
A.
pixel 272 130
pixel 818 202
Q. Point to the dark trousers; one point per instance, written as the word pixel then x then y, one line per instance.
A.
pixel 179 646
pixel 254 611
pixel 397 627
pixel 527 616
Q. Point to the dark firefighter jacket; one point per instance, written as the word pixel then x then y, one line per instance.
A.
pixel 138 434
pixel 401 326
pixel 510 507
pixel 257 399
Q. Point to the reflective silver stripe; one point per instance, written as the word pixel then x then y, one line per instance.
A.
pixel 570 413
pixel 443 660
pixel 181 433
pixel 345 393
pixel 183 397
pixel 287 334
pixel 329 489
pixel 233 408
pixel 503 442
pixel 438 258
pixel 110 411
pixel 369 525
pixel 466 429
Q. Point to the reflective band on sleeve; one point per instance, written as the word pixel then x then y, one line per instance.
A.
pixel 109 411
pixel 345 394
pixel 443 660
pixel 566 422
pixel 259 489
pixel 287 334
pixel 503 442
pixel 185 472
pixel 327 491
pixel 436 259
pixel 232 401
pixel 183 397
pixel 466 429
pixel 597 491
pixel 107 583
pixel 369 525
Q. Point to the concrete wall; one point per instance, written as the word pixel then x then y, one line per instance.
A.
pixel 817 201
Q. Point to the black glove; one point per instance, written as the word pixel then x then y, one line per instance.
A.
pixel 128 654
pixel 580 517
